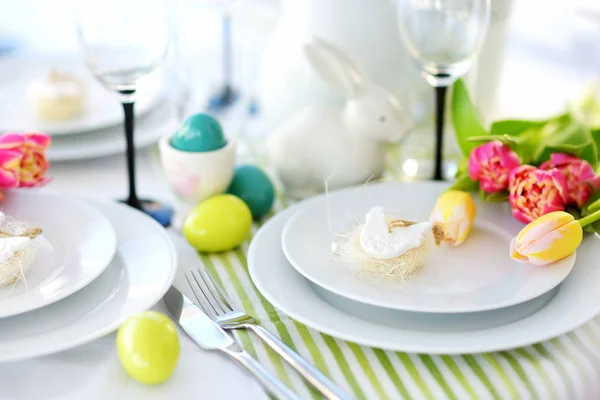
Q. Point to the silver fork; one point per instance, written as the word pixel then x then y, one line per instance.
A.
pixel 228 317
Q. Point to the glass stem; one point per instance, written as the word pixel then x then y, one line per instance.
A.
pixel 440 102
pixel 132 200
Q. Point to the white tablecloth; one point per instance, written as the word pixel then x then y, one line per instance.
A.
pixel 93 371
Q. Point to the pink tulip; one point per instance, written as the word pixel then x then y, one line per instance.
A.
pixel 10 164
pixel 581 180
pixel 535 192
pixel 22 159
pixel 491 165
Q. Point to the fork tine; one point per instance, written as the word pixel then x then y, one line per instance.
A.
pixel 203 301
pixel 212 292
pixel 219 293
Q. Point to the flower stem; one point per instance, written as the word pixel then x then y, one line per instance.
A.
pixel 595 206
pixel 590 219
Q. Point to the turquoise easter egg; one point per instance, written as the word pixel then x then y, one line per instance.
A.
pixel 199 133
pixel 254 187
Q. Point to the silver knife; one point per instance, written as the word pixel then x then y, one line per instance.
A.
pixel 208 335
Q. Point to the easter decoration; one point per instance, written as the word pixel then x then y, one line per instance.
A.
pixel 17 249
pixel 22 164
pixel 148 347
pixel 198 162
pixel 343 145
pixel 254 187
pixel 57 96
pixel 218 224
pixel 218 200
pixel 387 247
pixel 544 169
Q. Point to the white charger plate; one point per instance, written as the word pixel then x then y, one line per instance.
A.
pixel 76 245
pixel 479 275
pixel 103 108
pixel 136 279
pixel 577 300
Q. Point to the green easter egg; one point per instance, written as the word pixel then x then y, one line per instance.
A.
pixel 218 224
pixel 252 185
pixel 148 347
pixel 199 133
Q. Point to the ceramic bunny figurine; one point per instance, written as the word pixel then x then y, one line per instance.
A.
pixel 341 145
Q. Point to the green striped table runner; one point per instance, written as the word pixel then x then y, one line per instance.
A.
pixel 566 367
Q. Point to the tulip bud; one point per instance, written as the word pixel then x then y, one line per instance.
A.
pixel 547 239
pixel 454 212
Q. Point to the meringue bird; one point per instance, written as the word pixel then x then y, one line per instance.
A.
pixel 17 249
pixel 387 247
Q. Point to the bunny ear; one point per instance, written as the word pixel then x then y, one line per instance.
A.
pixel 334 67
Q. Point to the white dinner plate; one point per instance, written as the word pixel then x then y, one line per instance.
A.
pixel 577 300
pixel 76 245
pixel 479 275
pixel 136 279
pixel 148 130
pixel 103 108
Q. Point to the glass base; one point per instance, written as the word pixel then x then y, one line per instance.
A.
pixel 162 213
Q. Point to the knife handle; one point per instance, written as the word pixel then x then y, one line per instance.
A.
pixel 327 388
pixel 268 380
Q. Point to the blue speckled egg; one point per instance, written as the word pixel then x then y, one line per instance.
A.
pixel 254 187
pixel 199 133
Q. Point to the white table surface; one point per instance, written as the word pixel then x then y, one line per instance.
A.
pixel 93 371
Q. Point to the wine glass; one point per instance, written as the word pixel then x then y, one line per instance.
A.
pixel 444 36
pixel 124 43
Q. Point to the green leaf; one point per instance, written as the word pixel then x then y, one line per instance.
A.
pixel 465 119
pixel 566 136
pixel 508 140
pixel 498 197
pixel 464 182
pixel 514 127
pixel 574 212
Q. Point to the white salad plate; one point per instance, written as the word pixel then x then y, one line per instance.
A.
pixel 478 275
pixel 138 276
pixel 573 303
pixel 76 245
pixel 103 108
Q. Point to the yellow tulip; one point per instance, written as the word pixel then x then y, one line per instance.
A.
pixel 454 212
pixel 547 239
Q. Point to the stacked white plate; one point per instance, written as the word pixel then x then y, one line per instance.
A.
pixel 468 299
pixel 99 130
pixel 92 270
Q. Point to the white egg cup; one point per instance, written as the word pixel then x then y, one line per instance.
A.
pixel 196 176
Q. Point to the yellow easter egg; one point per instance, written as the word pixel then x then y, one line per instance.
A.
pixel 148 347
pixel 218 224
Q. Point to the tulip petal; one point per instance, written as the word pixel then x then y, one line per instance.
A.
pixel 514 253
pixel 8 179
pixel 542 226
pixel 39 140
pixel 11 140
pixel 10 158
